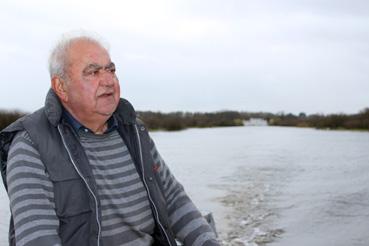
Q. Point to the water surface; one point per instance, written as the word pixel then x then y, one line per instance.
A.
pixel 270 185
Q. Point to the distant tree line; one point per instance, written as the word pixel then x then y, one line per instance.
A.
pixel 180 120
pixel 359 121
pixel 7 117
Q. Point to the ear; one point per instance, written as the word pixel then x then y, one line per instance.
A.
pixel 59 87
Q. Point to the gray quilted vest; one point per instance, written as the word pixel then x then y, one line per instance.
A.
pixel 77 206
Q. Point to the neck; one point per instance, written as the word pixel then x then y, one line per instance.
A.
pixel 96 126
pixel 98 129
pixel 97 123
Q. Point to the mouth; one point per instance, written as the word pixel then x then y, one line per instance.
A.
pixel 106 94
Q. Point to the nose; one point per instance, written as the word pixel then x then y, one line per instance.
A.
pixel 107 78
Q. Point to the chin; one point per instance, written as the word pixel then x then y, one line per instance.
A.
pixel 105 113
pixel 108 111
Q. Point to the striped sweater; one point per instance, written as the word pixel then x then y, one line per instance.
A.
pixel 126 215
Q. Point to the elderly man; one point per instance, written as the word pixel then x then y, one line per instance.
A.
pixel 83 170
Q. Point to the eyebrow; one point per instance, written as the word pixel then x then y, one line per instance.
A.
pixel 94 66
pixel 110 65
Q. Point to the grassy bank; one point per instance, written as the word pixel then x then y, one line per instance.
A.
pixel 359 121
pixel 182 120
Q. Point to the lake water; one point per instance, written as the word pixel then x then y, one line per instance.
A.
pixel 270 185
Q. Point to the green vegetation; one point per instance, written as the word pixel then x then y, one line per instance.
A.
pixel 182 120
pixel 7 117
pixel 359 121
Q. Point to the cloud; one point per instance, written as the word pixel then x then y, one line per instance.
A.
pixel 270 55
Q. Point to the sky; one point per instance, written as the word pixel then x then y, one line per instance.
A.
pixel 274 56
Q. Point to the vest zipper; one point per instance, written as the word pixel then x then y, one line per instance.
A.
pixel 88 186
pixel 146 186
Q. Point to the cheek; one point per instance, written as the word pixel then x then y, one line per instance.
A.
pixel 87 94
pixel 90 89
pixel 117 91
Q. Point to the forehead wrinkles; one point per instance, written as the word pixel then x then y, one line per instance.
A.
pixel 82 53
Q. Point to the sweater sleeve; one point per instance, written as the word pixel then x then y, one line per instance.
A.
pixel 185 220
pixel 31 195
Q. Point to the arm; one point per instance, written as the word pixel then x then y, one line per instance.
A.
pixel 31 196
pixel 185 220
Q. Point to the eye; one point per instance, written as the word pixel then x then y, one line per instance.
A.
pixel 91 72
pixel 110 69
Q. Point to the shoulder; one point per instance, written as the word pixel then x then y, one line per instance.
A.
pixel 22 137
pixel 125 112
pixel 22 145
pixel 18 125
pixel 139 121
pixel 23 156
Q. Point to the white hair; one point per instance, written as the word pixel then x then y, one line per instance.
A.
pixel 59 60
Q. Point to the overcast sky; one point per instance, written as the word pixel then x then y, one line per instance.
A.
pixel 201 55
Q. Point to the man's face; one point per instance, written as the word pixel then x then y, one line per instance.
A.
pixel 92 87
